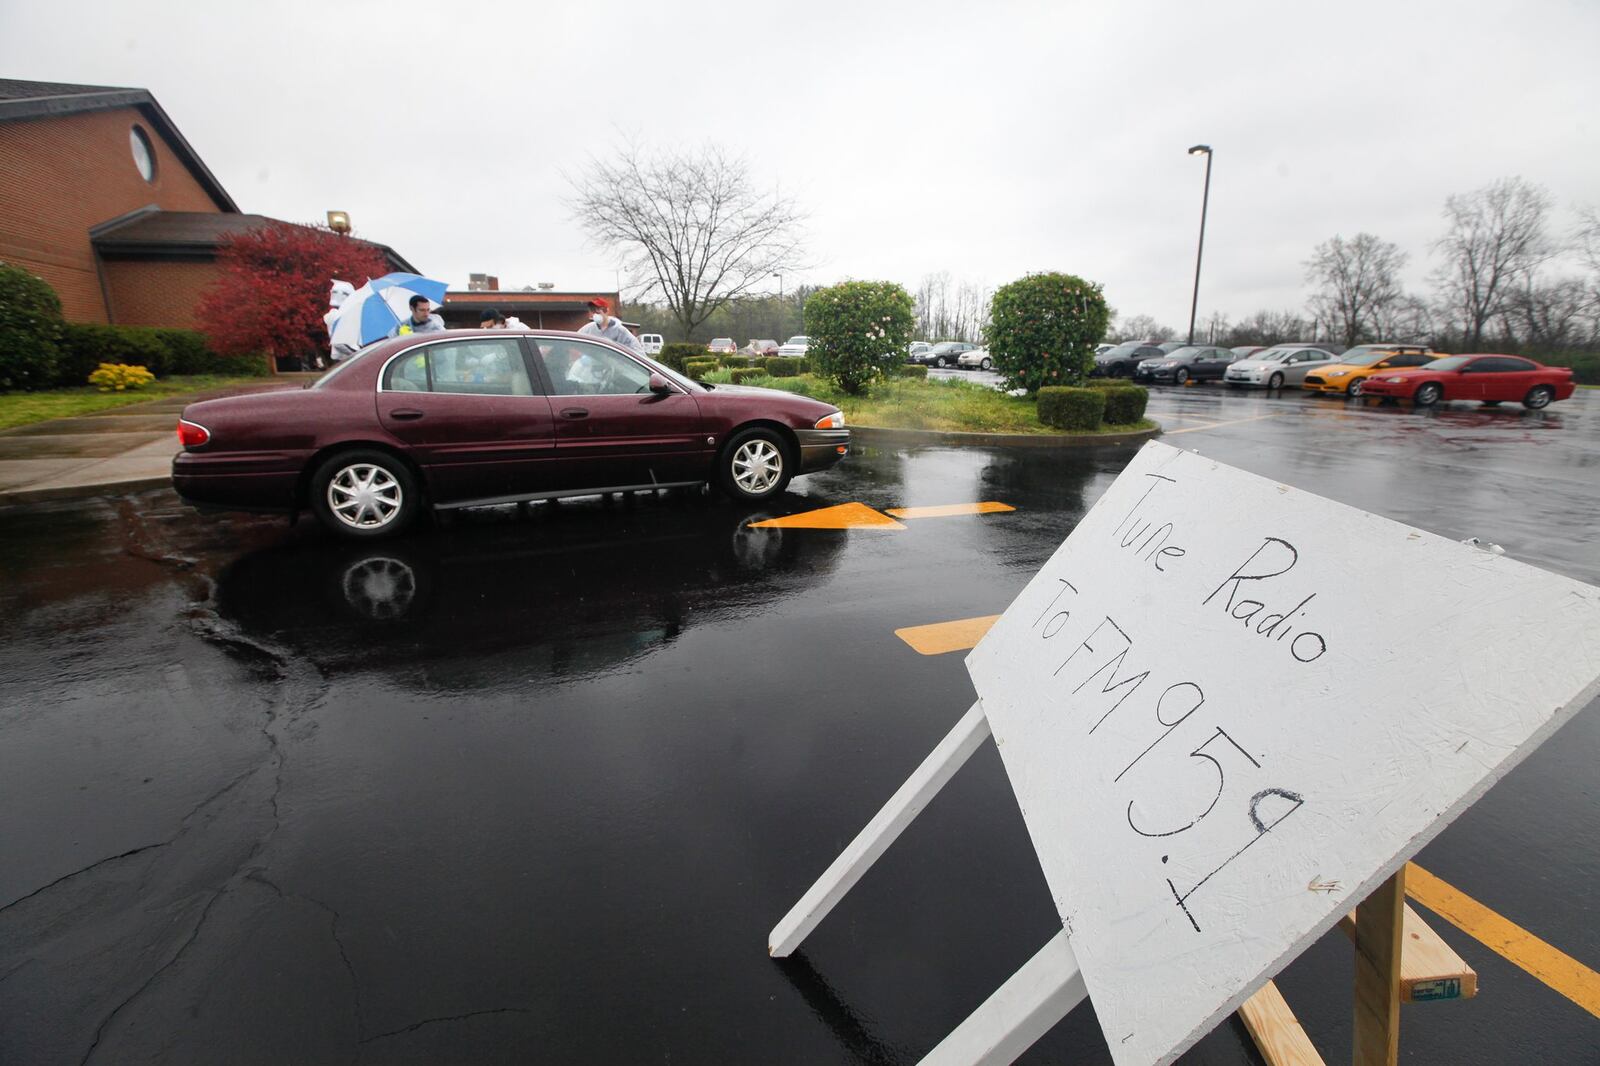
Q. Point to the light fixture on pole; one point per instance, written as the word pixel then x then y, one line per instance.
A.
pixel 339 222
pixel 1205 201
pixel 780 285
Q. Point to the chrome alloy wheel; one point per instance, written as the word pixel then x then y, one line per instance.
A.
pixel 364 496
pixel 757 466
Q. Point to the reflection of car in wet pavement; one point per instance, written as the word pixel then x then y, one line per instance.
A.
pixel 466 419
pixel 585 586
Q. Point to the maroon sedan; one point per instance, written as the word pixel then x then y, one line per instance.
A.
pixel 1490 378
pixel 474 417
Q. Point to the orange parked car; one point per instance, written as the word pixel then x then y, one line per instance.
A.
pixel 1361 362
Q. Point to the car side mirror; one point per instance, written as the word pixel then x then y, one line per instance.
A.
pixel 659 385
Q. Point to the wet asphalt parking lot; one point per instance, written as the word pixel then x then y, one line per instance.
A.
pixel 535 788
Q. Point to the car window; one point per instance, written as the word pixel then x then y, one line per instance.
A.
pixel 1412 360
pixel 476 368
pixel 1499 364
pixel 580 369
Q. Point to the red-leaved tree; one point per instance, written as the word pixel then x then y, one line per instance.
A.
pixel 273 289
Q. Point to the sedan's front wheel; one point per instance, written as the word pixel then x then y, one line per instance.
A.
pixel 939 362
pixel 1353 389
pixel 365 493
pixel 755 466
pixel 1428 394
pixel 1180 376
pixel 987 363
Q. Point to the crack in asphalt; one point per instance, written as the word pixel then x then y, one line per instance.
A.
pixel 284 707
pixel 413 1027
pixel 260 877
pixel 184 827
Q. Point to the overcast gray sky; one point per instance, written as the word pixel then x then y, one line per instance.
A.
pixel 986 140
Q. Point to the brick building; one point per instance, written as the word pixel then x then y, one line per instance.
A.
pixel 102 197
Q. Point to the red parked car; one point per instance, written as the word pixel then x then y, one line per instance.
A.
pixel 474 417
pixel 1490 378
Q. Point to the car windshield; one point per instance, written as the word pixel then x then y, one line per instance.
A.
pixel 338 368
pixel 1365 358
pixel 1273 355
pixel 799 340
pixel 720 341
pixel 1184 353
pixel 1125 349
pixel 1449 362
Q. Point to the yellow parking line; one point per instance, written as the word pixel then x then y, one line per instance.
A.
pixel 842 516
pixel 1219 425
pixel 1549 964
pixel 946 510
pixel 940 637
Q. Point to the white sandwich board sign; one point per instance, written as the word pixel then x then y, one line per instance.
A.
pixel 1229 710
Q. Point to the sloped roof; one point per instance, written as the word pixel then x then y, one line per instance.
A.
pixel 23 100
pixel 196 233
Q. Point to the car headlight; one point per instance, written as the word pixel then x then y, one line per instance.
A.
pixel 1395 381
pixel 833 421
pixel 1335 373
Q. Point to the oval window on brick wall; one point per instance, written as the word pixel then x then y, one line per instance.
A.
pixel 144 156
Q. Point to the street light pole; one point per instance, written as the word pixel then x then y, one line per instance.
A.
pixel 1205 202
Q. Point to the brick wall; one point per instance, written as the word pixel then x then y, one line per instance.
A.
pixel 61 175
pixel 157 293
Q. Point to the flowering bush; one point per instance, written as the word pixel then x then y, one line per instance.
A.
pixel 859 331
pixel 1043 329
pixel 120 377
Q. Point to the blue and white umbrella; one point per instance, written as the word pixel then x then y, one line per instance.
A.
pixel 369 313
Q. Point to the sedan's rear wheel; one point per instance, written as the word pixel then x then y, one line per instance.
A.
pixel 1428 394
pixel 755 466
pixel 1538 396
pixel 364 494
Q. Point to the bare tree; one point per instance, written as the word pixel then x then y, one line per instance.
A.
pixel 1495 239
pixel 1404 319
pixel 1269 327
pixel 1139 328
pixel 1355 281
pixel 688 226
pixel 1551 317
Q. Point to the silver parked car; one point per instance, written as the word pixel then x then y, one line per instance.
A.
pixel 1281 366
pixel 975 359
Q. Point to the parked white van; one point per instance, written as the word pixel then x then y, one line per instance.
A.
pixel 652 343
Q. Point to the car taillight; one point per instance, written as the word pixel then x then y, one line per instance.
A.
pixel 833 421
pixel 192 434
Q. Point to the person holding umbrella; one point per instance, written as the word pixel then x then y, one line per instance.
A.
pixel 603 324
pixel 422 319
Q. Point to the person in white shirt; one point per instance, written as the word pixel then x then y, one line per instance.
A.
pixel 603 324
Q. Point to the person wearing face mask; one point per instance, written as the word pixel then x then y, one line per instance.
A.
pixel 603 324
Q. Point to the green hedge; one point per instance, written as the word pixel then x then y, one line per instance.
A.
pixel 781 367
pixel 1585 365
pixel 694 368
pixel 677 354
pixel 740 375
pixel 911 370
pixel 1125 406
pixel 736 362
pixel 161 351
pixel 30 330
pixel 1072 409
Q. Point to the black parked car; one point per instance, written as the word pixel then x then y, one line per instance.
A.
pixel 1120 361
pixel 1194 363
pixel 945 353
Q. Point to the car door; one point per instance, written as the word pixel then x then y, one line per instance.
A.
pixel 1501 378
pixel 472 416
pixel 1211 363
pixel 611 430
pixel 1302 363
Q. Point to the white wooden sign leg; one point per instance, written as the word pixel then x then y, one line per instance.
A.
pixel 1019 1012
pixel 947 757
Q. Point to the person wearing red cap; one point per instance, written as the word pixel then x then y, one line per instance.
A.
pixel 603 324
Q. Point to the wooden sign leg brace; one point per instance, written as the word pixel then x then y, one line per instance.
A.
pixel 1031 1001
